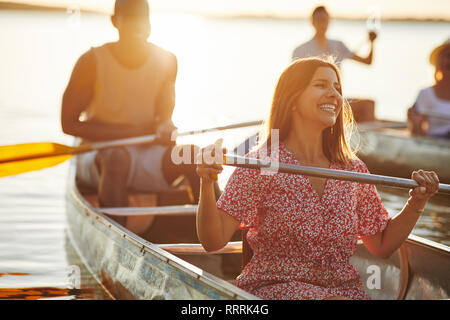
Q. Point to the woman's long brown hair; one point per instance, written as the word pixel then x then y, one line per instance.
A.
pixel 291 84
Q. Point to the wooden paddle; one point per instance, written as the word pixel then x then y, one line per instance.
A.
pixel 20 158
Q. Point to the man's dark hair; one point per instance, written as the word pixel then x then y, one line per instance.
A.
pixel 318 10
pixel 131 7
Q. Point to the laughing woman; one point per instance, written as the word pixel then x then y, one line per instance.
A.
pixel 303 230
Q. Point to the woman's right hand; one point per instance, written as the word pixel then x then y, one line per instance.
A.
pixel 209 161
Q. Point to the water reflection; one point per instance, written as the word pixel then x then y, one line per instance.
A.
pixel 38 293
pixel 433 224
pixel 87 288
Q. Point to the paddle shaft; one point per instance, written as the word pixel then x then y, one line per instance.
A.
pixel 368 178
pixel 150 138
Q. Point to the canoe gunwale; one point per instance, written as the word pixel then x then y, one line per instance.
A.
pixel 429 244
pixel 185 210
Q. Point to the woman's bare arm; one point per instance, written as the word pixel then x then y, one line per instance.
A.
pixel 214 226
pixel 384 243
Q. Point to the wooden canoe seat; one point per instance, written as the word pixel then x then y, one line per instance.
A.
pixel 363 109
pixel 224 263
pixel 181 194
pixel 197 248
pixel 159 229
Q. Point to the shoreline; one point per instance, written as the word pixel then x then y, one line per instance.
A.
pixel 4 6
pixel 13 6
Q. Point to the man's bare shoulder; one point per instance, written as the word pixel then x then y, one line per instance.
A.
pixel 84 72
pixel 161 53
pixel 86 62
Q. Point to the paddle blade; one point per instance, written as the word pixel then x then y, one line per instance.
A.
pixel 17 167
pixel 20 158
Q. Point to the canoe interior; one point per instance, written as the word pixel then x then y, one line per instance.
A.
pixel 175 229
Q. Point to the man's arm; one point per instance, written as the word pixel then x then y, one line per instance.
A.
pixel 77 97
pixel 369 58
pixel 418 123
pixel 165 102
pixel 366 60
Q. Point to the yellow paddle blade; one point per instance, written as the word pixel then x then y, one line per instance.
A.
pixel 20 158
pixel 17 167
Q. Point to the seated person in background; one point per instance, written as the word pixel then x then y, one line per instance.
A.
pixel 125 89
pixel 321 46
pixel 430 114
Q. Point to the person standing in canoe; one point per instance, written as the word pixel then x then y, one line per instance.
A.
pixel 321 45
pixel 303 230
pixel 119 90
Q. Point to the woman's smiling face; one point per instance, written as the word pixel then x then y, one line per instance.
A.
pixel 321 101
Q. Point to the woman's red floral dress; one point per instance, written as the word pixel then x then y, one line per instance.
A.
pixel 302 244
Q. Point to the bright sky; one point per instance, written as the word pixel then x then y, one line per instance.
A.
pixel 436 9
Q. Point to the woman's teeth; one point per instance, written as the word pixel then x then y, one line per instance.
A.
pixel 328 107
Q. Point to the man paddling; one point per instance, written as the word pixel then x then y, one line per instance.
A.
pixel 125 89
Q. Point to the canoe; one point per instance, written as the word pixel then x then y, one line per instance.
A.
pixel 152 266
pixel 394 152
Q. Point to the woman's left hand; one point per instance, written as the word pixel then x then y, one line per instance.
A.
pixel 428 185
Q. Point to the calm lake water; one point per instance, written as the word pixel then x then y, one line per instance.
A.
pixel 227 72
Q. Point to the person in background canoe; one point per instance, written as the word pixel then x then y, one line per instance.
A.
pixel 320 45
pixel 434 100
pixel 120 90
pixel 303 230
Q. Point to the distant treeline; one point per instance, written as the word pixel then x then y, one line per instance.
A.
pixel 31 7
pixel 21 6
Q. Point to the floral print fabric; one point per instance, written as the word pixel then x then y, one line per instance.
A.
pixel 302 243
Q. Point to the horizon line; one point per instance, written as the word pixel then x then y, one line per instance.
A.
pixel 6 5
